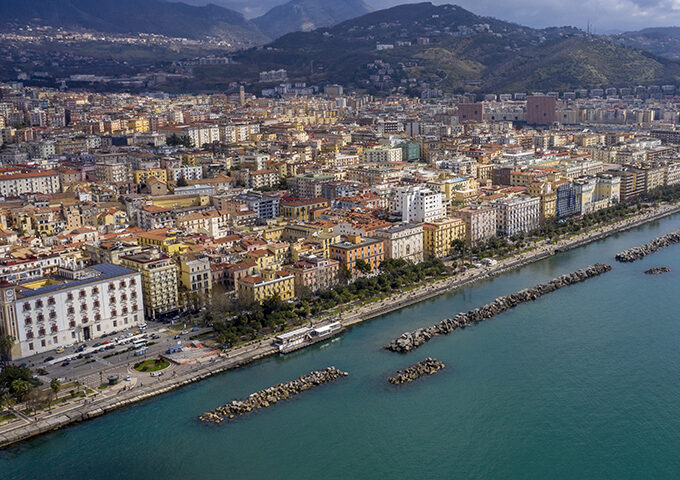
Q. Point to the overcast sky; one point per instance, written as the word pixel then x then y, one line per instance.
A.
pixel 605 15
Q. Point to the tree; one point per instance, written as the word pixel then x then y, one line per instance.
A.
pixel 55 386
pixel 363 266
pixel 20 389
pixel 182 182
pixel 6 343
pixel 459 246
pixel 344 275
pixel 7 400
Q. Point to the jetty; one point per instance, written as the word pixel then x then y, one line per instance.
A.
pixel 636 253
pixel 657 270
pixel 429 366
pixel 411 340
pixel 269 396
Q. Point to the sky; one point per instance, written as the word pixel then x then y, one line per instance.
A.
pixel 607 16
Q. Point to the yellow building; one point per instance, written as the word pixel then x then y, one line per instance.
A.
pixel 195 277
pixel 438 236
pixel 271 283
pixel 142 176
pixel 547 197
pixel 159 281
pixel 138 125
pixel 163 239
pixel 264 259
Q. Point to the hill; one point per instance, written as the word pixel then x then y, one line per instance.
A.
pixel 307 15
pixel 663 41
pixel 134 16
pixel 446 47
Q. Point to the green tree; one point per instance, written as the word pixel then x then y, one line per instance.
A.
pixel 20 389
pixel 363 266
pixel 55 386
pixel 6 343
pixel 182 182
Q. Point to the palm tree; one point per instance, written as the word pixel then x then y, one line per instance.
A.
pixel 6 343
pixel 55 386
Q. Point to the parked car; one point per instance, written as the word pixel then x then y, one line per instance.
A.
pixel 156 374
pixel 60 350
pixel 128 378
pixel 66 363
pixel 48 359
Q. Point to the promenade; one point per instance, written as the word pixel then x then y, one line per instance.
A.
pixel 142 386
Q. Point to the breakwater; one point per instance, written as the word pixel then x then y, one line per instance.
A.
pixel 636 253
pixel 657 270
pixel 269 396
pixel 429 366
pixel 411 340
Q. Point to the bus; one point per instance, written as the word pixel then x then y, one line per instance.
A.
pixel 139 344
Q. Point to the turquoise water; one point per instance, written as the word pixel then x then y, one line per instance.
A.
pixel 582 383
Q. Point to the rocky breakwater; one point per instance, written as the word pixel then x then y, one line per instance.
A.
pixel 411 340
pixel 636 253
pixel 269 396
pixel 657 270
pixel 429 366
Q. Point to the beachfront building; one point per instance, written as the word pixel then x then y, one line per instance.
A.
pixel 256 289
pixel 159 281
pixel 438 236
pixel 480 223
pixel 195 277
pixel 370 250
pixel 74 305
pixel 314 273
pixel 516 215
pixel 402 241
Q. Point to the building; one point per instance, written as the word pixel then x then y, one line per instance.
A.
pixel 470 112
pixel 75 305
pixel 111 172
pixel 418 204
pixel 257 289
pixel 195 277
pixel 382 155
pixel 370 250
pixel 480 223
pixel 438 236
pixel 15 182
pixel 159 281
pixel 187 172
pixel 152 217
pixel 541 110
pixel 303 210
pixel 516 215
pixel 402 241
pixel 314 273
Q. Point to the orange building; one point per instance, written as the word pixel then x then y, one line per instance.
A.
pixel 371 250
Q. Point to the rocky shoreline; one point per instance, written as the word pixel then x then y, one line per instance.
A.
pixel 636 253
pixel 429 366
pixel 269 396
pixel 411 340
pixel 657 270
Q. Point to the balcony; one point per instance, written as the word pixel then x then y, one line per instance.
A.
pixel 72 324
pixel 54 329
pixel 41 318
pixel 97 317
pixel 84 319
pixel 51 301
pixel 41 332
pixel 28 321
pixel 27 307
pixel 29 334
pixel 39 304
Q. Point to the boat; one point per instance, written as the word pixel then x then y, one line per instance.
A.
pixel 305 336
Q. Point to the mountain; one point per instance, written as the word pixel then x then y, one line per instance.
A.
pixel 663 41
pixel 134 16
pixel 449 48
pixel 307 15
pixel 247 7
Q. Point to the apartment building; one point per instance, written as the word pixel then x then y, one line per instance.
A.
pixel 74 305
pixel 418 204
pixel 439 235
pixel 402 241
pixel 314 273
pixel 15 182
pixel 480 223
pixel 370 250
pixel 159 281
pixel 516 215
pixel 257 289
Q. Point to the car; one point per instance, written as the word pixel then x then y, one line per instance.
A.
pixel 80 355
pixel 60 350
pixel 66 363
pixel 80 348
pixel 89 355
pixel 195 329
pixel 156 374
pixel 177 337
pixel 128 378
pixel 183 332
pixel 22 365
pixel 110 347
pixel 68 346
pixel 137 332
pixel 96 345
pixel 48 359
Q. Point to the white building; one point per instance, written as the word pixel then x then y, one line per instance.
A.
pixel 14 184
pixel 187 172
pixel 402 241
pixel 382 155
pixel 418 204
pixel 515 215
pixel 77 305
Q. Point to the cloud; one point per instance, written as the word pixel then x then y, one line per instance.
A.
pixel 604 15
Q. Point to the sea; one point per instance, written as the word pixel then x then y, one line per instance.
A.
pixel 583 383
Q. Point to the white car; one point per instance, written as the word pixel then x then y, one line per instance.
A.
pixel 156 374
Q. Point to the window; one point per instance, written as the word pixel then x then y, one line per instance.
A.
pixel 73 334
pixel 69 296
pixel 55 340
pixel 38 304
pixel 42 343
pixel 123 284
pixel 111 287
pixel 112 300
pixel 72 324
pixel 41 317
pixel 29 334
pixel 96 304
pixel 83 307
pixel 115 323
pixel 99 328
pixel 95 290
pixel 27 307
pixel 85 320
pixel 51 301
pixel 70 310
pixel 41 331
pixel 114 313
pixel 81 294
pixel 97 317
pixel 53 315
pixel 30 346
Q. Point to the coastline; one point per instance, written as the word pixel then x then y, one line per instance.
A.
pixel 249 353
